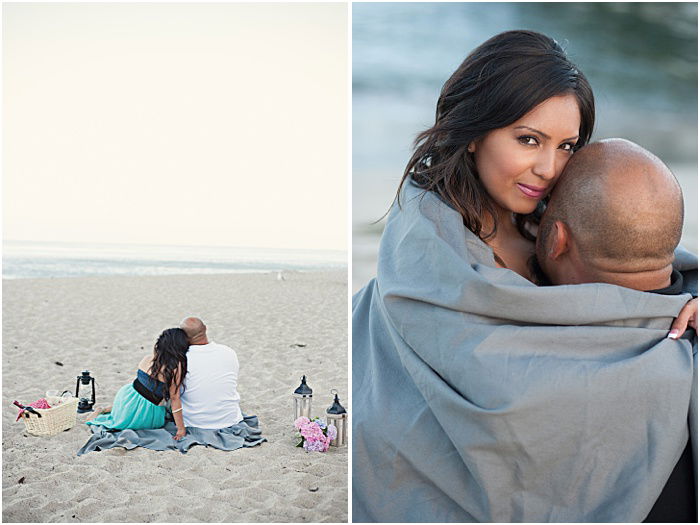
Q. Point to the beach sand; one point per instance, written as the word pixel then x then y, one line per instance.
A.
pixel 105 325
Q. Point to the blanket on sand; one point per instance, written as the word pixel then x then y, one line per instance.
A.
pixel 480 397
pixel 243 434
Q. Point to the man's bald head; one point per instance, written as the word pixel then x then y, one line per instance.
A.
pixel 622 206
pixel 195 329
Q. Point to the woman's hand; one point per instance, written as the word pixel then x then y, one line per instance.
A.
pixel 180 434
pixel 687 317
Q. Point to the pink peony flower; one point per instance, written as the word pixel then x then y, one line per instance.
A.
pixel 313 438
pixel 301 421
pixel 315 446
pixel 311 431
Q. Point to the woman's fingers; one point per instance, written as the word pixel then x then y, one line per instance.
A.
pixel 693 321
pixel 688 316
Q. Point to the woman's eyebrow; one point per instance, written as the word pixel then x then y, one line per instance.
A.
pixel 544 134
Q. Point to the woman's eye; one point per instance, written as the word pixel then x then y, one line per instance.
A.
pixel 528 140
pixel 568 146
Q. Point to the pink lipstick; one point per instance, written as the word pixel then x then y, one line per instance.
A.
pixel 534 192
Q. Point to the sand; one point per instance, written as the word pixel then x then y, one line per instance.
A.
pixel 105 325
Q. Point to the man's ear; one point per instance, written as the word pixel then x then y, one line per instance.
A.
pixel 559 241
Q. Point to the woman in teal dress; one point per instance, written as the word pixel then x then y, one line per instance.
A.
pixel 141 404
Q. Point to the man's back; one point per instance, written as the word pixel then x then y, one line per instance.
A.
pixel 211 399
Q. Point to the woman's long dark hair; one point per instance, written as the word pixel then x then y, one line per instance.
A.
pixel 497 84
pixel 169 353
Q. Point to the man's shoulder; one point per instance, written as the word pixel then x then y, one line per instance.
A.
pixel 222 348
pixel 211 345
pixel 216 356
pixel 219 352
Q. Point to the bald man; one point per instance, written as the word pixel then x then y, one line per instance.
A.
pixel 210 399
pixel 615 216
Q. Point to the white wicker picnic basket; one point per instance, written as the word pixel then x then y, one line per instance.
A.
pixel 53 420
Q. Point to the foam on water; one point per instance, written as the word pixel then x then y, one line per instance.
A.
pixel 22 260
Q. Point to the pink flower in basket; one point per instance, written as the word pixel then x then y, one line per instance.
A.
pixel 41 403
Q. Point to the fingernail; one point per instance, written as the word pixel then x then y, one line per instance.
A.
pixel 673 334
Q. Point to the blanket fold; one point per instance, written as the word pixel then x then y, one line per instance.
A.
pixel 243 434
pixel 479 396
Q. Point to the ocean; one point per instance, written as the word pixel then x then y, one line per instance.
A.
pixel 29 260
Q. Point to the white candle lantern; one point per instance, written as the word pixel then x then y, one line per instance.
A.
pixel 337 415
pixel 302 397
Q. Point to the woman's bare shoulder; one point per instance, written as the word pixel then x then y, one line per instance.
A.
pixel 145 363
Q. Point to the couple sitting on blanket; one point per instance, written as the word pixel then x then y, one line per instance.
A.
pixel 198 376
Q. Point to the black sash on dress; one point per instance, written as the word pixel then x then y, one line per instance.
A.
pixel 146 393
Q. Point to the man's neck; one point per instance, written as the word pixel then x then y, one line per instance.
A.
pixel 200 341
pixel 537 274
pixel 643 281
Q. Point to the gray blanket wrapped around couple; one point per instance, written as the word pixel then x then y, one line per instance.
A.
pixel 243 434
pixel 480 397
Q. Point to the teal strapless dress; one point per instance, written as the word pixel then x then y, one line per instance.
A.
pixel 131 410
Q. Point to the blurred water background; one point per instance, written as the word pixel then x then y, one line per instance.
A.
pixel 27 260
pixel 640 58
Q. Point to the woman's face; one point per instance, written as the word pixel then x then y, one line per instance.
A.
pixel 519 164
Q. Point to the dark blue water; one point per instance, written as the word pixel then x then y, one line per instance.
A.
pixel 637 54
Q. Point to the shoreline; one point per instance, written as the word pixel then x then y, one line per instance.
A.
pixel 329 269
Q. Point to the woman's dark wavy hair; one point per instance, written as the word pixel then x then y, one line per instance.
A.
pixel 169 352
pixel 497 84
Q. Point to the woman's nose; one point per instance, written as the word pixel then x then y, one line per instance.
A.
pixel 546 164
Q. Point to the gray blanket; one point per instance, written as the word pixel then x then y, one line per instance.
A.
pixel 479 396
pixel 243 434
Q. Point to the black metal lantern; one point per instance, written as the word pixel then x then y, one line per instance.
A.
pixel 302 397
pixel 337 415
pixel 83 393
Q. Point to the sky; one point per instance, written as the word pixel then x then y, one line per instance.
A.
pixel 185 124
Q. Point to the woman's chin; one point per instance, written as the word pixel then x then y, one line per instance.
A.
pixel 524 208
